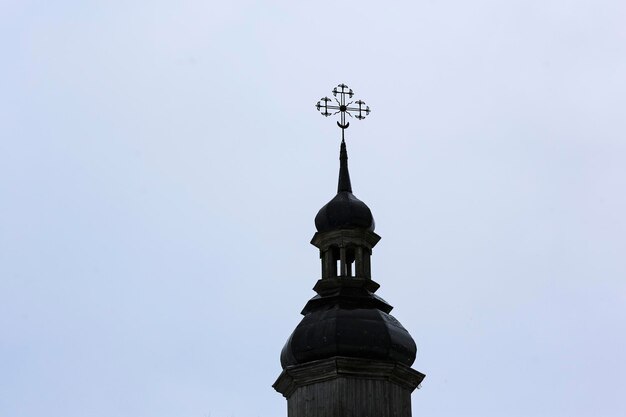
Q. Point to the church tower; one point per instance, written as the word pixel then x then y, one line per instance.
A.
pixel 348 357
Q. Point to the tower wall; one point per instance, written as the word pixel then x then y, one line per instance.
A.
pixel 348 387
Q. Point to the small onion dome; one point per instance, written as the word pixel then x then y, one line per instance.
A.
pixel 366 333
pixel 344 211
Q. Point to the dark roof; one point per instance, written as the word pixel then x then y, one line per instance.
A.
pixel 355 324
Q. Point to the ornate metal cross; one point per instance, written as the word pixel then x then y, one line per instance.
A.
pixel 342 107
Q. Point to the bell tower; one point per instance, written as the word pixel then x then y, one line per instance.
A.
pixel 348 357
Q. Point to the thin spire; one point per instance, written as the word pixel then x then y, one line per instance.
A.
pixel 344 175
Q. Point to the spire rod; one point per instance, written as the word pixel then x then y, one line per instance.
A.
pixel 344 176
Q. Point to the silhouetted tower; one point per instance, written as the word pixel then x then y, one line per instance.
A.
pixel 348 357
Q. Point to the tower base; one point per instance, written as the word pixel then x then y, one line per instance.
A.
pixel 348 387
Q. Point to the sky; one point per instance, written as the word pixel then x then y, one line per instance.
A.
pixel 161 164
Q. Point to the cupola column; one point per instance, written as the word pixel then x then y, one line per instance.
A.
pixel 358 263
pixel 329 264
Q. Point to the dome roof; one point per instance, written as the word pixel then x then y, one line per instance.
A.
pixel 366 333
pixel 344 211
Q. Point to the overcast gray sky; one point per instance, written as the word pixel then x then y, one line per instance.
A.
pixel 161 164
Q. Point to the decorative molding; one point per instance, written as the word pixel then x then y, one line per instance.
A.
pixel 315 372
pixel 345 237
